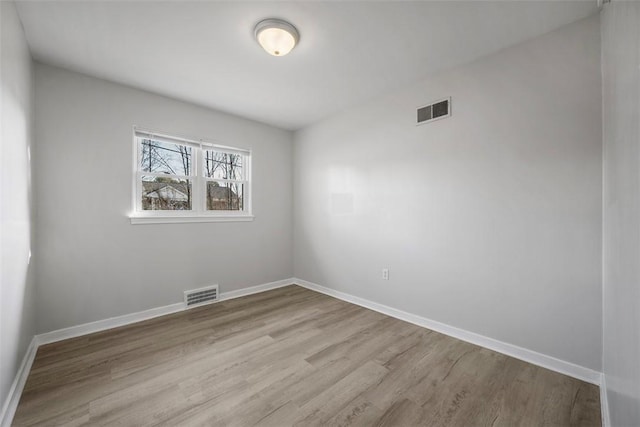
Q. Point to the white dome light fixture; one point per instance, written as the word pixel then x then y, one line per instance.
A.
pixel 276 36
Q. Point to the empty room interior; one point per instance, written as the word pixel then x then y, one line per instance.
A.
pixel 339 213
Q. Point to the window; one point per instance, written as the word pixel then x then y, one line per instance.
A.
pixel 181 180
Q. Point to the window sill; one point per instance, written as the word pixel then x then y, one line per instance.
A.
pixel 135 219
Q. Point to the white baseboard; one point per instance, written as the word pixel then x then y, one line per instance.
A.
pixel 604 402
pixel 255 289
pixel 539 359
pixel 13 398
pixel 127 319
pixel 102 325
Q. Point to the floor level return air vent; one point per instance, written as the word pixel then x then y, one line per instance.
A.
pixel 435 111
pixel 196 297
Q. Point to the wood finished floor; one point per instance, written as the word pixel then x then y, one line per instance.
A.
pixel 292 356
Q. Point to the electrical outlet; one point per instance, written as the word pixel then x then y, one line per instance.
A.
pixel 385 274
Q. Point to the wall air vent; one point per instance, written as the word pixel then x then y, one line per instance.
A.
pixel 202 296
pixel 435 111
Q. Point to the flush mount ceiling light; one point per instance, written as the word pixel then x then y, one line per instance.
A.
pixel 276 36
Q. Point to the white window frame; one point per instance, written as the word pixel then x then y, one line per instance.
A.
pixel 198 212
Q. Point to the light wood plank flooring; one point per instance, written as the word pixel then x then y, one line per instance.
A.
pixel 292 357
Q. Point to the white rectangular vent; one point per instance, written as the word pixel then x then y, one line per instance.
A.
pixel 196 297
pixel 434 111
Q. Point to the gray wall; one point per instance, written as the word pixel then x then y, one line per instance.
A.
pixel 17 312
pixel 489 220
pixel 621 100
pixel 92 263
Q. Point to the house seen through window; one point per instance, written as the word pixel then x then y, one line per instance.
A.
pixel 180 177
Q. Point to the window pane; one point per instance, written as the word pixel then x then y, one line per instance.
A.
pixel 165 194
pixel 225 196
pixel 221 165
pixel 162 157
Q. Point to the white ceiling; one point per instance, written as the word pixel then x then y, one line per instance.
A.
pixel 204 52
